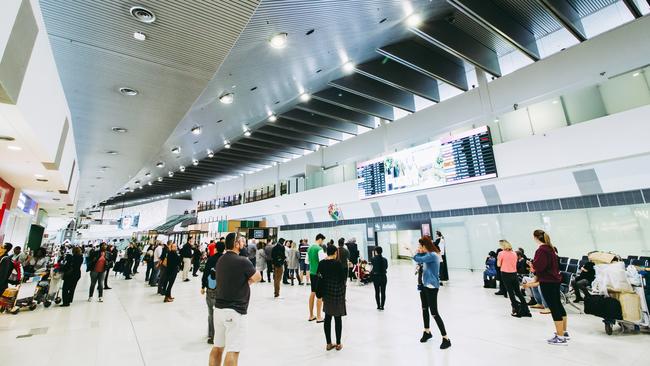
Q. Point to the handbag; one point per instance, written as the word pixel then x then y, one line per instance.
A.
pixel 320 286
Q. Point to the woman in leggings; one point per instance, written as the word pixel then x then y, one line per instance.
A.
pixel 547 271
pixel 428 258
pixel 507 260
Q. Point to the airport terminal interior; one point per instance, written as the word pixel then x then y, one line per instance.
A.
pixel 344 182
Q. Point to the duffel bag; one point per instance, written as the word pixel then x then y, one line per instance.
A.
pixel 603 307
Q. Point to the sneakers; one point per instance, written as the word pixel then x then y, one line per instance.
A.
pixel 425 337
pixel 90 299
pixel 100 300
pixel 557 341
pixel 446 343
pixel 566 335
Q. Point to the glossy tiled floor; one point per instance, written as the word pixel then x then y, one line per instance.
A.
pixel 134 327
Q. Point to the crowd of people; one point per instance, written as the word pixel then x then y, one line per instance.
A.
pixel 230 265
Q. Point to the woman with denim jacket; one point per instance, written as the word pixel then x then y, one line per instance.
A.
pixel 428 257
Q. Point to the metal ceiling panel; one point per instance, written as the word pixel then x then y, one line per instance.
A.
pixel 633 8
pixel 442 34
pixel 401 77
pixel 567 16
pixel 490 39
pixel 355 102
pixel 305 128
pixel 429 60
pixel 298 136
pixel 587 7
pixel 531 14
pixel 315 106
pixel 489 16
pixel 317 120
pixel 277 140
pixel 269 147
pixel 376 90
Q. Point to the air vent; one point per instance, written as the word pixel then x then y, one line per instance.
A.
pixel 61 191
pixel 129 92
pixel 383 20
pixel 69 205
pixel 143 14
pixel 119 129
pixel 7 138
pixel 309 32
pixel 56 199
pixel 42 180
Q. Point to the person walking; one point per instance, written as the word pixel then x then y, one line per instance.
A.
pixel 71 274
pixel 314 255
pixel 507 261
pixel 269 262
pixel 155 259
pixel 278 257
pixel 304 267
pixel 260 260
pixel 162 280
pixel 196 260
pixel 186 255
pixel 332 276
pixel 111 258
pixel 428 256
pixel 209 287
pixel 234 276
pixel 148 259
pixel 173 266
pixel 379 278
pixel 546 266
pixel 137 255
pixel 442 245
pixel 97 269
pixel 293 260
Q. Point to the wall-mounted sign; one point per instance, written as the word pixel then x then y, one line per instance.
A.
pixel 26 204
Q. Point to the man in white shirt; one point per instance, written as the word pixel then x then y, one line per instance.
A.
pixel 153 278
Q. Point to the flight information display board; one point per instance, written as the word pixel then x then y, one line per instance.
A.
pixel 454 159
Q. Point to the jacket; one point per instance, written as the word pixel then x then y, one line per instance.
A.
pixel 379 265
pixel 293 258
pixel 210 267
pixel 546 265
pixel 430 270
pixel 173 261
pixel 354 252
pixel 72 267
pixel 278 255
pixel 6 267
pixel 186 251
pixel 92 259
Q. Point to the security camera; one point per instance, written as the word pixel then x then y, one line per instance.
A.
pixel 515 106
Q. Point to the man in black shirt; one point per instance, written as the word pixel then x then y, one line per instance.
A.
pixel 186 254
pixel 234 275
pixel 278 258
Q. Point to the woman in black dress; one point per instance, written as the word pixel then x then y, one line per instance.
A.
pixel 442 246
pixel 71 275
pixel 331 285
pixel 173 265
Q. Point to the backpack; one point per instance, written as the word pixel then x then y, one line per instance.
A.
pixel 212 280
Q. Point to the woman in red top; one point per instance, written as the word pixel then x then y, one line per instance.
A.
pixel 97 268
pixel 547 271
pixel 507 260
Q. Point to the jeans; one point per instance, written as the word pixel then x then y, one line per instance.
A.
pixel 162 281
pixel 147 274
pixel 127 268
pixel 429 300
pixel 210 297
pixel 195 266
pixel 379 282
pixel 171 277
pixel 269 269
pixel 537 294
pixel 277 277
pixel 338 328
pixel 136 264
pixel 153 277
pixel 96 279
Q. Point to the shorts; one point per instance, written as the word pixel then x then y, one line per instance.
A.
pixel 230 328
pixel 314 282
pixel 304 267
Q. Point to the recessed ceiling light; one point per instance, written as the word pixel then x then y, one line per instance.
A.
pixel 170 174
pixel 119 129
pixel 14 148
pixel 7 138
pixel 143 14
pixel 147 174
pixel 160 179
pixel 305 97
pixel 38 175
pixel 139 36
pixel 279 40
pixel 349 67
pixel 414 20
pixel 130 92
pixel 247 133
pixel 111 152
pixel 555 101
pixel 195 162
pixel 176 150
pixel 273 118
pixel 149 184
pixel 160 164
pixel 139 187
pixel 226 144
pixel 227 98
pixel 210 153
pixel 181 168
pixel 196 130
pixel 636 74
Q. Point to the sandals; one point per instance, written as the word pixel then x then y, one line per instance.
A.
pixel 311 319
pixel 329 347
pixel 339 347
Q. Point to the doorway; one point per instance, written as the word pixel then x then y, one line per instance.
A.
pixel 398 243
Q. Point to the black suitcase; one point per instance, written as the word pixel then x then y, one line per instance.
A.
pixel 603 307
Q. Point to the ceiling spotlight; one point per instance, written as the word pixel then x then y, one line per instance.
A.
pixel 349 67
pixel 160 179
pixel 14 148
pixel 129 92
pixel 227 98
pixel 414 20
pixel 304 97
pixel 147 174
pixel 139 36
pixel 279 40
pixel 176 150
pixel 149 184
pixel 137 182
pixel 273 118
pixel 130 190
pixel 119 129
pixel 210 154
pixel 181 168
pixel 226 144
pixel 142 14
pixel 170 174
pixel 160 164
pixel 139 187
pixel 636 74
pixel 195 162
pixel 196 130
pixel 247 133
pixel 111 152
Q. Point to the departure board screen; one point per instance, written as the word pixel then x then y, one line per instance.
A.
pixel 454 159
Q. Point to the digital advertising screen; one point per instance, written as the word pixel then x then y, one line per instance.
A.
pixel 128 222
pixel 453 159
